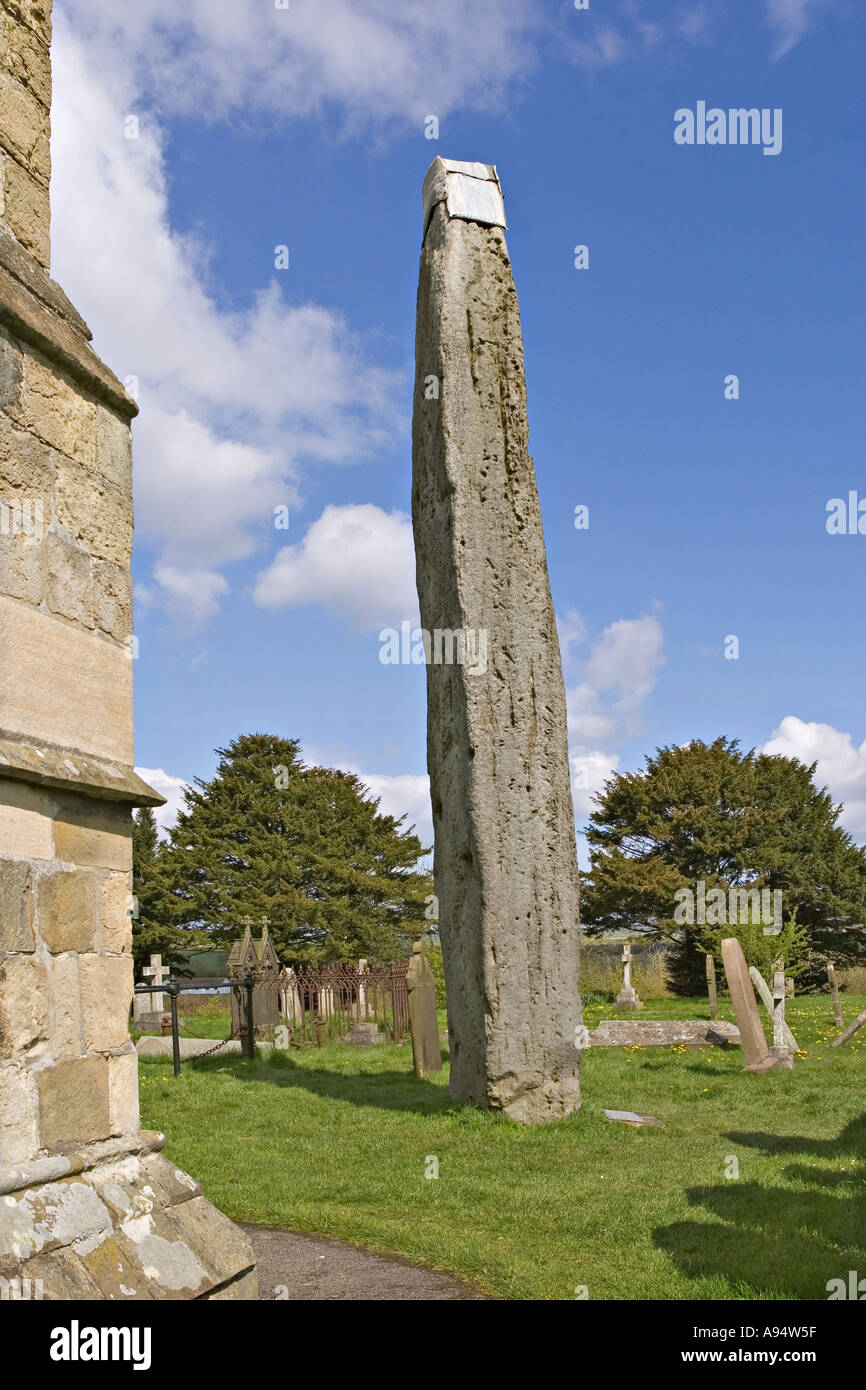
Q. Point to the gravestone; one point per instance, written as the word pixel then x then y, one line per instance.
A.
pixel 259 958
pixel 423 1020
pixel 663 1032
pixel 88 1204
pixel 782 1050
pixel 505 852
pixel 711 987
pixel 834 992
pixel 769 1004
pixel 627 997
pixel 850 1030
pixel 745 1007
pixel 634 1118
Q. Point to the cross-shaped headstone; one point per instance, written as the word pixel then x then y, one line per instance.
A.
pixel 157 973
pixel 626 961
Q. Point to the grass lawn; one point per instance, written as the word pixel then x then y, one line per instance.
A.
pixel 336 1140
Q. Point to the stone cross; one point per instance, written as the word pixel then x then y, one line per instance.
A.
pixel 157 973
pixel 423 1020
pixel 781 1032
pixel 834 991
pixel 769 1002
pixel 627 997
pixel 711 987
pixel 505 854
pixel 754 1043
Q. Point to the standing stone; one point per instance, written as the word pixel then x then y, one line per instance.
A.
pixel 627 997
pixel 745 1007
pixel 423 1020
pixel 711 987
pixel 88 1204
pixel 834 992
pixel 505 853
pixel 781 1032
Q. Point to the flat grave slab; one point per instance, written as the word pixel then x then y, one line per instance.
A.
pixel 664 1032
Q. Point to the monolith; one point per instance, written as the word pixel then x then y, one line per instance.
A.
pixel 89 1206
pixel 505 855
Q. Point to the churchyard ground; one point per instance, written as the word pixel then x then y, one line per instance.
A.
pixel 754 1189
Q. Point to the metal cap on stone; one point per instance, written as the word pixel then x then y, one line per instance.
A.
pixel 469 191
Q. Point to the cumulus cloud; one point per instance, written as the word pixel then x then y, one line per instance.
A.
pixel 172 788
pixel 841 765
pixel 358 562
pixel 235 405
pixel 604 704
pixel 404 794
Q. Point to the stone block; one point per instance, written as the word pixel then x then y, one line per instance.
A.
pixel 94 833
pixel 64 1277
pixel 26 57
pixel 115 919
pixel 16 906
pixel 56 411
pixel 36 14
pixel 27 464
pixel 10 372
pixel 116 1276
pixel 123 1092
pixel 246 1288
pixel 93 512
pixel 60 685
pixel 73 1102
pixel 26 209
pixel 68 580
pixel 24 126
pixel 23 1005
pixel 106 994
pixel 114 448
pixel 224 1251
pixel 25 818
pixel 21 567
pixel 64 1008
pixel 68 910
pixel 19 1114
pixel 111 599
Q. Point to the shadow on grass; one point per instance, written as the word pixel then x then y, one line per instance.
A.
pixel 780 1242
pixel 384 1090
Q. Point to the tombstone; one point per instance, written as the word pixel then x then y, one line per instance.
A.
pixel 663 1032
pixel 769 1003
pixel 290 996
pixel 850 1030
pixel 711 987
pixel 505 853
pixel 76 1169
pixel 834 992
pixel 423 1019
pixel 745 1007
pixel 258 958
pixel 627 997
pixel 148 1009
pixel 781 1049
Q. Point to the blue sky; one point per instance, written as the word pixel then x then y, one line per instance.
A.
pixel 258 387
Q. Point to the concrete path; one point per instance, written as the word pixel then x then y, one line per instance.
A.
pixel 302 1268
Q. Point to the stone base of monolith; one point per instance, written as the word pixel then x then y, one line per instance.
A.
pixel 505 853
pixel 117 1221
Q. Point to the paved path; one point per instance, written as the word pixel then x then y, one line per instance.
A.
pixel 301 1267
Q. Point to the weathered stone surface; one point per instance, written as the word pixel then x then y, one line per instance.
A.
pixel 634 1118
pixel 67 910
pixel 767 1000
pixel 423 1022
pixel 664 1032
pixel 115 919
pixel 64 1008
pixel 745 1006
pixel 96 833
pixel 25 821
pixel 112 599
pixel 67 579
pixel 23 1005
pixel 73 1102
pixel 106 994
pixel 26 57
pixel 26 209
pixel 505 859
pixel 19 1113
pixel 16 906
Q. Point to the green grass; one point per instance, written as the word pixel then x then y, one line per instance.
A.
pixel 335 1140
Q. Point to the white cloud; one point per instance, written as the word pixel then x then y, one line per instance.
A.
pixel 356 561
pixel 404 794
pixel 789 21
pixel 841 765
pixel 604 705
pixel 381 60
pixel 172 788
pixel 235 405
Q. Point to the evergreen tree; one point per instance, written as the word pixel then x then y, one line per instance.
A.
pixel 153 928
pixel 303 848
pixel 710 812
